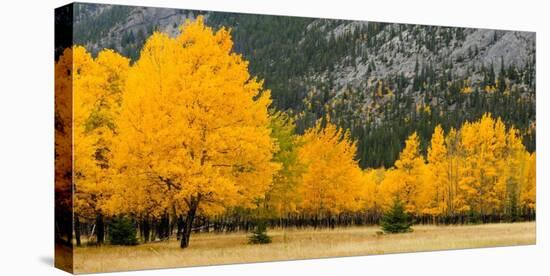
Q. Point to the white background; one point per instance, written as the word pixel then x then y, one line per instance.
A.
pixel 26 136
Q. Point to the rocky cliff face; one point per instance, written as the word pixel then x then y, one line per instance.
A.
pixel 399 48
pixel 370 77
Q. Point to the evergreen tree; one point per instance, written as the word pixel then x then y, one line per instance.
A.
pixel 396 220
pixel 122 231
pixel 259 234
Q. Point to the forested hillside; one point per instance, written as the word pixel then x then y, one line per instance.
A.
pixel 380 80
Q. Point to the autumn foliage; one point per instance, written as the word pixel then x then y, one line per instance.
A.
pixel 185 132
pixel 479 171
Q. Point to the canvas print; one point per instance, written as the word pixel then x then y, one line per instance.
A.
pixel 187 138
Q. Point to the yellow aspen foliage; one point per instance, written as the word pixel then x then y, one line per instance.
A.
pixel 332 181
pixel 409 176
pixel 194 125
pixel 517 182
pixel 390 93
pixel 390 187
pixel 490 89
pixel 466 87
pixel 502 154
pixel 452 143
pixel 97 87
pixel 437 186
pixel 466 90
pixel 427 110
pixel 528 189
pixel 479 170
pixel 372 193
pixel 282 197
pixel 63 136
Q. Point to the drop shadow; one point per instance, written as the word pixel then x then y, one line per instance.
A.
pixel 46 260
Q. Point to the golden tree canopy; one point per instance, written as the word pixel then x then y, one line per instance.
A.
pixel 194 125
pixel 95 85
pixel 333 181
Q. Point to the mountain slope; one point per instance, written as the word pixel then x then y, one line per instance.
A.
pixel 382 81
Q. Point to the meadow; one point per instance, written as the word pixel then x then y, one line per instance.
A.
pixel 230 248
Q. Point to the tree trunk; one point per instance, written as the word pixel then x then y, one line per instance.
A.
pixel 164 227
pixel 146 230
pixel 100 232
pixel 180 228
pixel 77 230
pixel 154 232
pixel 184 242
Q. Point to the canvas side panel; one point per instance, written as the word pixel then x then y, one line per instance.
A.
pixel 63 138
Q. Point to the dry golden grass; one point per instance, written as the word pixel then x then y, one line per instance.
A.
pixel 209 248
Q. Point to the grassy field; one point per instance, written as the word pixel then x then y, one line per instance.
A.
pixel 209 248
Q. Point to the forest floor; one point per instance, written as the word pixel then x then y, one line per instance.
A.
pixel 210 248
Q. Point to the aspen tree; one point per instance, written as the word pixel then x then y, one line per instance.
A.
pixel 194 125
